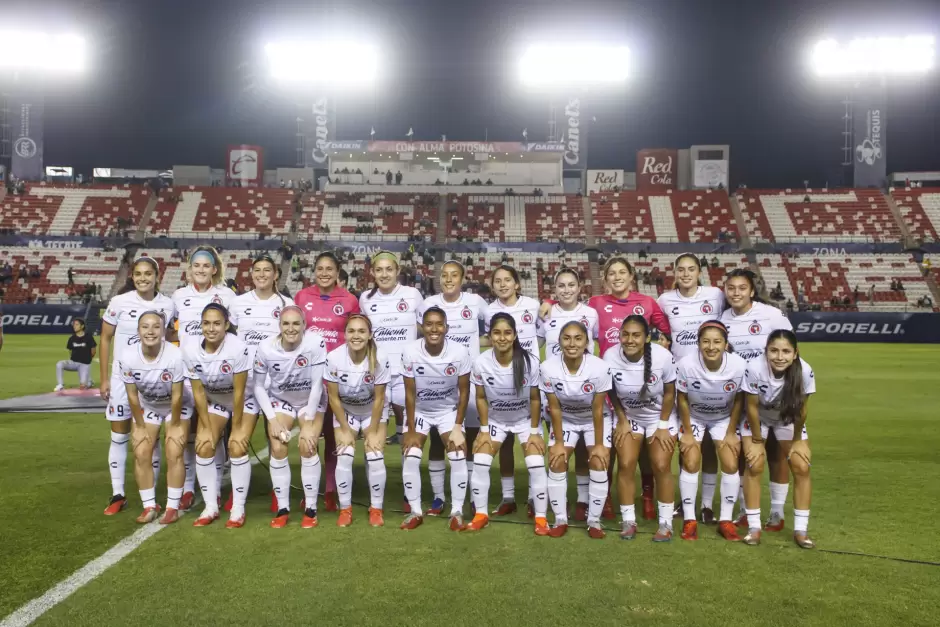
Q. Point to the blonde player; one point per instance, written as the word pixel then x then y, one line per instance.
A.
pixel 778 387
pixel 356 376
pixel 437 389
pixel 576 385
pixel 153 374
pixel 506 378
pixel 288 385
pixel 218 368
pixel 711 398
pixel 119 334
pixel 643 397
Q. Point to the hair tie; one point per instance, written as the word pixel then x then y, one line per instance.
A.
pixel 202 253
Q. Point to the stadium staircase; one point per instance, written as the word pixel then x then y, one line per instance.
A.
pixel 119 279
pixel 141 234
pixel 3 193
pixel 185 216
pixel 442 221
pixel 907 239
pixel 743 238
pixel 755 268
pixel 591 240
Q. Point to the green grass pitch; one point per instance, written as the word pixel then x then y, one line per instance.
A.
pixel 876 443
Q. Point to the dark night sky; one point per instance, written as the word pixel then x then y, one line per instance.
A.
pixel 174 81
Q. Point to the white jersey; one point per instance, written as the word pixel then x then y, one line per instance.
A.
pixel 686 315
pixel 154 379
pixel 290 372
pixel 355 383
pixel 435 376
pixel 257 319
pixel 711 394
pixel 575 392
pixel 628 381
pixel 748 332
pixel 463 318
pixel 189 305
pixel 507 405
pixel 217 370
pixel 550 329
pixel 394 319
pixel 525 312
pixel 124 311
pixel 760 380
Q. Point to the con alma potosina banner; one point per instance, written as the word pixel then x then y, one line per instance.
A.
pixel 892 328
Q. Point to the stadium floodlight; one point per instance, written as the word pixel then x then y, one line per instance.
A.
pixel 31 51
pixel 325 62
pixel 876 56
pixel 547 65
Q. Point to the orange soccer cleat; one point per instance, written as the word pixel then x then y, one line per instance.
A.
pixel 235 523
pixel 280 520
pixel 729 531
pixel 505 508
pixel 186 502
pixel 345 517
pixel 412 521
pixel 541 526
pixel 479 522
pixel 170 516
pixel 205 519
pixel 376 518
pixel 741 521
pixel 558 530
pixel 456 522
pixel 627 530
pixel 309 521
pixel 689 530
pixel 774 523
pixel 148 515
pixel 595 531
pixel 663 534
pixel 117 504
pixel 436 509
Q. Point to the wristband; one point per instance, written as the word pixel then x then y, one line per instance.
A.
pixel 663 424
pixel 535 431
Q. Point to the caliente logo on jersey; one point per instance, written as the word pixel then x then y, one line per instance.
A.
pixel 402 305
pixel 466 314
pixel 225 368
pixel 707 308
pixel 301 361
pixel 338 309
pixel 639 311
pixel 450 370
pixel 588 387
pixel 754 329
pixel 613 334
pixel 165 376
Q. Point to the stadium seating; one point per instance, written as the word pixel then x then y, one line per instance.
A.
pixel 622 217
pixel 173 272
pixel 658 264
pixel 553 218
pixel 89 265
pixel 232 211
pixel 920 209
pixel 538 265
pixel 390 216
pixel 482 217
pixel 74 210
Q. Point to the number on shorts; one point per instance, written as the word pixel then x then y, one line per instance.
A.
pixel 152 416
pixel 635 426
pixel 695 431
pixel 419 423
pixel 492 431
pixel 120 410
pixel 565 435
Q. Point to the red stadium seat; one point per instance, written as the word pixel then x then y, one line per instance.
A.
pixel 920 209
pixel 553 218
pixel 72 210
pixel 234 211
pixel 89 265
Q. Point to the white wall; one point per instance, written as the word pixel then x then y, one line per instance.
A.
pixel 502 173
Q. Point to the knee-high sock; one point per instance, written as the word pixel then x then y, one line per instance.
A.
pixel 411 477
pixel 344 476
pixel 189 462
pixel 709 482
pixel 688 490
pixel 730 483
pixel 583 482
pixel 117 461
pixel 436 469
pixel 206 471
pixel 480 482
pixel 155 462
pixel 458 481
pixel 558 495
pixel 280 480
pixel 329 450
pixel 241 479
pixel 377 474
pixel 219 465
pixel 310 470
pixel 538 484
pixel 597 494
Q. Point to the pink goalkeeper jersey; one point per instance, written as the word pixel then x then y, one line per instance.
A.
pixel 326 313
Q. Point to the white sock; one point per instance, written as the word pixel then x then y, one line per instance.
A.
pixel 665 514
pixel 399 429
pixel 458 482
pixel 509 488
pixel 597 494
pixel 344 476
pixel 149 497
pixel 117 461
pixel 436 468
pixel 155 462
pixel 558 496
pixel 205 470
pixel 310 469
pixel 241 479
pixel 730 483
pixel 800 520
pixel 280 480
pixel 741 496
pixel 480 482
pixel 753 518
pixel 173 496
pixel 778 497
pixel 709 481
pixel 375 469
pixel 628 513
pixel 219 465
pixel 538 484
pixel 583 482
pixel 189 462
pixel 688 490
pixel 411 478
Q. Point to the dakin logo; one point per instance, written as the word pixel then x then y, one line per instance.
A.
pixel 573 139
pixel 754 329
pixel 869 150
pixel 165 376
pixel 338 309
pixel 243 165
pixel 321 111
pixel 659 172
pixel 466 314
pixel 450 370
pixel 707 308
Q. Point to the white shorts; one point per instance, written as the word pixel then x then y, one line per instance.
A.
pixel 395 391
pixel 443 424
pixel 573 431
pixel 499 430
pixel 118 407
pixel 250 407
pixel 783 433
pixel 471 418
pixel 357 423
pixel 294 411
pixel 152 417
pixel 324 403
pixel 649 428
pixel 718 429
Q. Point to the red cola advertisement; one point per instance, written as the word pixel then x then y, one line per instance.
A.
pixel 657 168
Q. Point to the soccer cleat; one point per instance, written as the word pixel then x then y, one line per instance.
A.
pixel 729 531
pixel 148 515
pixel 505 508
pixel 689 530
pixel 752 538
pixel 406 508
pixel 436 509
pixel 774 523
pixel 186 502
pixel 376 519
pixel 581 512
pixel 479 522
pixel 595 530
pixel 530 509
pixel 309 521
pixel 649 509
pixel 541 526
pixel 117 504
pixel 663 534
pixel 608 512
pixel 708 516
pixel 235 523
pixel 558 530
pixel 803 540
pixel 456 522
pixel 345 517
pixel 330 503
pixel 280 520
pixel 274 506
pixel 627 530
pixel 741 521
pixel 412 521
pixel 206 518
pixel 170 516
pixel 228 503
pixel 58 388
pixel 393 439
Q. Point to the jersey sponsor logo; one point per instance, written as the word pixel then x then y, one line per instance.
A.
pixel 612 335
pixel 704 408
pixel 754 329
pixel 165 376
pixel 675 311
pixel 556 348
pixel 608 308
pixel 368 379
pixel 707 307
pixel 193 327
pixel 588 387
pixel 402 306
pixel 301 361
pixel 253 337
pixel 748 355
pixel 527 317
pixel 686 338
pixel 465 313
pixel 463 340
pixel 225 368
pixel 338 309
pixel 730 386
pixel 387 334
pixel 639 311
pixel 428 394
pixel 508 406
pixel 450 370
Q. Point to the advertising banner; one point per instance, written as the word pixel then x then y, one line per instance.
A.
pixel 709 173
pixel 58 170
pixel 26 119
pixel 245 165
pixel 657 169
pixel 445 146
pixel 871 168
pixel 40 318
pixel 575 128
pixel 604 180
pixel 322 133
pixel 895 328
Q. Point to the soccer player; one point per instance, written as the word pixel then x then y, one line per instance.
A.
pixel 576 385
pixel 643 397
pixel 326 305
pixel 687 306
pixel 356 376
pixel 466 315
pixel 437 389
pixel 711 398
pixel 153 374
pixel 507 287
pixel 82 349
pixel 206 275
pixel 288 385
pixel 119 334
pixel 506 378
pixel 777 387
pixel 218 368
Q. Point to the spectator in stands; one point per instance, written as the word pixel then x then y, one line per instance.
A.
pixel 855 294
pixel 715 262
pixel 35 273
pixel 806 198
pixel 6 273
pixel 894 285
pixel 469 261
pixel 847 301
pixel 789 306
pixel 71 276
pixel 703 261
pixel 900 286
pixel 388 177
pixel 398 177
